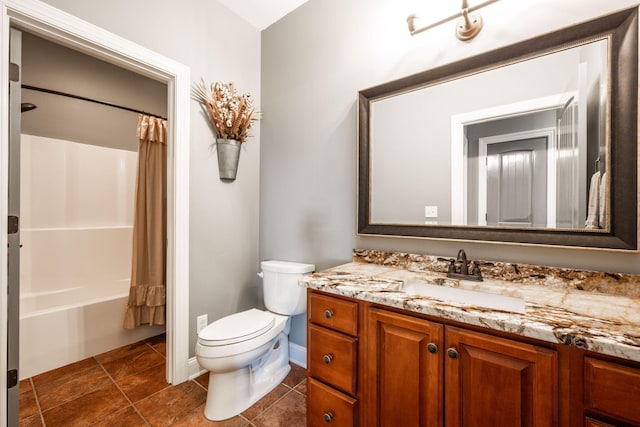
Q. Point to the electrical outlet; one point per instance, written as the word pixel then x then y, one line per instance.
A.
pixel 431 211
pixel 202 322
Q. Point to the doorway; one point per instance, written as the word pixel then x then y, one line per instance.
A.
pixel 49 23
pixel 514 189
pixel 78 158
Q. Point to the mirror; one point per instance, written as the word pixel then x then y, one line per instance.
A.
pixel 533 143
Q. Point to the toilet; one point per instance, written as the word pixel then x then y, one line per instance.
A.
pixel 247 353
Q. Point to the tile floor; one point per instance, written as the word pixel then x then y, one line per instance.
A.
pixel 126 387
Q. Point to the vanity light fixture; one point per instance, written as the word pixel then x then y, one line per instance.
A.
pixel 468 27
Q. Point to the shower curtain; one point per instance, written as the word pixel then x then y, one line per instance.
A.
pixel 147 294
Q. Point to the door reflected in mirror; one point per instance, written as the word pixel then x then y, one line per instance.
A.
pixel 523 145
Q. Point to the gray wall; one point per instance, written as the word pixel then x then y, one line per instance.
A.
pixel 314 61
pixel 51 66
pixel 217 45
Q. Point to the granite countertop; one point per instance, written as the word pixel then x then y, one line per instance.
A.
pixel 595 311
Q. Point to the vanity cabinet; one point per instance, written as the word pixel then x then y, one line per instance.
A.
pixel 373 365
pixel 404 370
pixel 611 392
pixel 498 381
pixel 422 373
pixel 332 361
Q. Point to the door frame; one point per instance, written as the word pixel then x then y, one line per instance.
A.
pixel 550 135
pixel 459 141
pixel 48 22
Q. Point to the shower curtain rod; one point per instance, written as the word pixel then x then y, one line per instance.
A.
pixel 82 98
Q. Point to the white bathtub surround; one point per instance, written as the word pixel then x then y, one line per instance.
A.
pixel 75 264
pixel 557 309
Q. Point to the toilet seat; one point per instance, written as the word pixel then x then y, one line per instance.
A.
pixel 236 328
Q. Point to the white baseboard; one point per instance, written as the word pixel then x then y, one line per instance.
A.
pixel 193 368
pixel 298 354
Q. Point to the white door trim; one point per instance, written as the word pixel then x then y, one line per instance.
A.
pixel 458 141
pixel 550 135
pixel 51 23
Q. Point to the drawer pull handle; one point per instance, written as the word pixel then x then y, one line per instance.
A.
pixel 452 353
pixel 327 358
pixel 328 314
pixel 432 347
pixel 328 417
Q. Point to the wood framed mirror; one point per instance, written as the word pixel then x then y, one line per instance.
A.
pixel 534 143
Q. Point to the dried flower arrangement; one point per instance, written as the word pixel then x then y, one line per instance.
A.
pixel 230 113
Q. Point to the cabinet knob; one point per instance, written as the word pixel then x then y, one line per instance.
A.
pixel 328 417
pixel 432 347
pixel 327 358
pixel 328 314
pixel 452 353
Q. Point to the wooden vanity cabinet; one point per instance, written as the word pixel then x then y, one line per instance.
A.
pixel 404 373
pixel 611 393
pixel 422 373
pixel 393 368
pixel 495 381
pixel 332 360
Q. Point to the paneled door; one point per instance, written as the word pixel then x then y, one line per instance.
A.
pixel 13 267
pixel 404 372
pixel 492 381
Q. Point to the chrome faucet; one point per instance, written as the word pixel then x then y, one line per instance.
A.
pixel 459 267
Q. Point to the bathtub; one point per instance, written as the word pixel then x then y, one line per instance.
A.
pixel 74 290
pixel 76 204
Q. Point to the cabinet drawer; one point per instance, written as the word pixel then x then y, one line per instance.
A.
pixel 332 358
pixel 612 389
pixel 590 422
pixel 329 406
pixel 334 313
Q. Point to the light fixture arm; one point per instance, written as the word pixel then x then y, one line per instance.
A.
pixel 467 28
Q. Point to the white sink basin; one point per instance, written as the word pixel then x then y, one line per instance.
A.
pixel 480 299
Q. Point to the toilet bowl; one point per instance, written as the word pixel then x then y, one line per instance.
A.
pixel 247 353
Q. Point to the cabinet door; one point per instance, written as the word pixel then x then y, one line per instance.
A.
pixel 494 381
pixel 404 370
pixel 612 390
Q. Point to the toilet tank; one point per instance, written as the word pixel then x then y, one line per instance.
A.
pixel 282 293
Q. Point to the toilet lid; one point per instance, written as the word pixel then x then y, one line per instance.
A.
pixel 237 327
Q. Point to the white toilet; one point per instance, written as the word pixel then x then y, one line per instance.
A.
pixel 247 353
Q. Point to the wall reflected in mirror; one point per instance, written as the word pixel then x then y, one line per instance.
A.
pixel 522 145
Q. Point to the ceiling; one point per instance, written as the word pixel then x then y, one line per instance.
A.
pixel 262 13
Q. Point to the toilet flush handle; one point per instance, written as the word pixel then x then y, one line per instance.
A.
pixel 261 275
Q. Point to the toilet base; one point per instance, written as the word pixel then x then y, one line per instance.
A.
pixel 230 393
